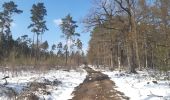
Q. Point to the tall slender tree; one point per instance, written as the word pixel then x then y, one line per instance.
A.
pixel 8 10
pixel 38 24
pixel 79 48
pixel 68 27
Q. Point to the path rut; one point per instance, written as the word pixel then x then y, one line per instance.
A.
pixel 97 86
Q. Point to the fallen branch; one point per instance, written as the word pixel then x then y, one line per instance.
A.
pixel 154 95
pixel 5 78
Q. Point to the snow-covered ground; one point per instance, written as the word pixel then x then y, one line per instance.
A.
pixel 69 80
pixel 140 86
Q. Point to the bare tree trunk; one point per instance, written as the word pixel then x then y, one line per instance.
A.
pixel 1 33
pixel 66 57
pixel 128 54
pixel 132 38
pixel 66 53
pixel 98 55
pixel 152 56
pixel 132 53
pixel 137 55
pixel 104 58
pixel 118 57
pixel 78 60
pixel 112 55
pixel 32 46
pixel 37 51
pixel 131 33
pixel 146 59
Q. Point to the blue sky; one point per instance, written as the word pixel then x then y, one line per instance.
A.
pixel 56 10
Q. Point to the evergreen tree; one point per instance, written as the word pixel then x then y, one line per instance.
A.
pixel 38 24
pixel 68 27
pixel 6 41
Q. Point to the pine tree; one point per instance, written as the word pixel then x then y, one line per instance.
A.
pixel 38 24
pixel 68 27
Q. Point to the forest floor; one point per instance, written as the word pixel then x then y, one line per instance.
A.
pixel 97 86
pixel 54 84
pixel 84 83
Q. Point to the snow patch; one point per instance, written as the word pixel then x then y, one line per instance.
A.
pixel 140 86
pixel 69 80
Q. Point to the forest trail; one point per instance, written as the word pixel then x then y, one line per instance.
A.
pixel 97 86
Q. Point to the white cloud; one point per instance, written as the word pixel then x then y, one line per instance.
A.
pixel 57 21
pixel 13 24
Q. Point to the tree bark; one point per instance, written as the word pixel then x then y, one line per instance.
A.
pixel 37 52
pixel 66 53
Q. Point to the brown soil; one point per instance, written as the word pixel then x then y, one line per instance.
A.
pixel 97 86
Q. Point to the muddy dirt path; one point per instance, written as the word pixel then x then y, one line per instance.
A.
pixel 97 86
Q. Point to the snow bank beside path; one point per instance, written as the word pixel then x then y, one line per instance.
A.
pixel 69 80
pixel 139 86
